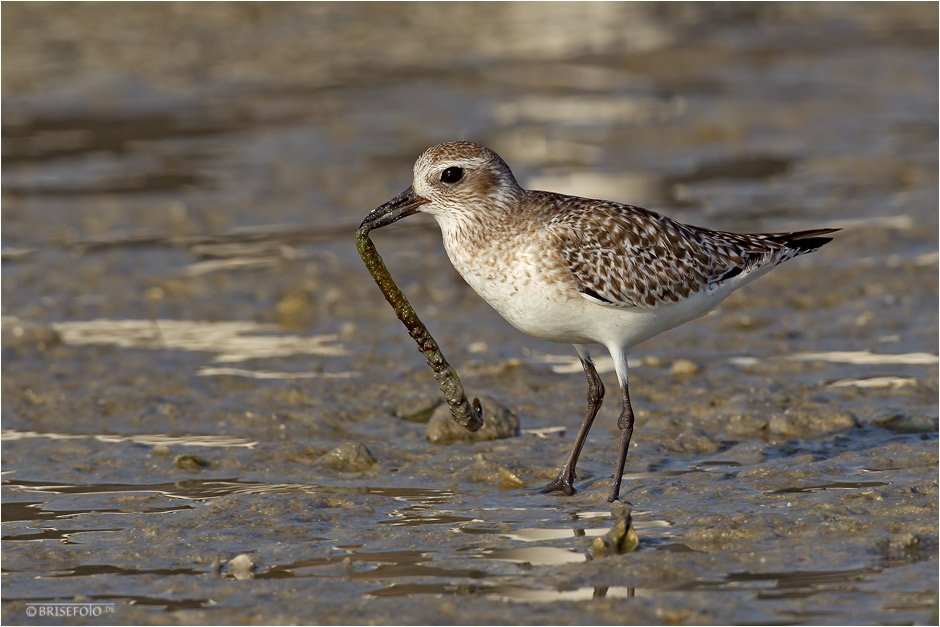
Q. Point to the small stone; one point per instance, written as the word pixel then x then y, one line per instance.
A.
pixel 692 442
pixel 905 548
pixel 348 457
pixel 498 422
pixel 621 538
pixel 161 450
pixel 242 567
pixel 803 422
pixel 189 462
pixel 902 423
pixel 684 368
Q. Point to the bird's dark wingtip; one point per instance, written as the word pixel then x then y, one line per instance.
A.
pixel 805 241
pixel 808 244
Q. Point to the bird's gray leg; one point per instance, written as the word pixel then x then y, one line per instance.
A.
pixel 624 422
pixel 595 397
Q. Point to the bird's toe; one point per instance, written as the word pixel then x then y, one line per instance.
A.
pixel 562 484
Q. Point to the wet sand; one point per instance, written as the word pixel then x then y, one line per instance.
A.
pixel 188 331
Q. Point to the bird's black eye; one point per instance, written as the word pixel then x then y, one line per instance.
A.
pixel 452 175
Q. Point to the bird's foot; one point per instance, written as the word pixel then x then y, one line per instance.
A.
pixel 564 483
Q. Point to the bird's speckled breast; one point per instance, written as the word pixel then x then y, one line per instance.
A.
pixel 520 275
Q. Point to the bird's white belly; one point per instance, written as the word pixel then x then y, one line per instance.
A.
pixel 548 313
pixel 537 309
pixel 544 302
pixel 527 287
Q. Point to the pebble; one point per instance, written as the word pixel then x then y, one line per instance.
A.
pixel 348 457
pixel 498 422
pixel 803 422
pixel 188 461
pixel 904 548
pixel 902 423
pixel 242 567
pixel 692 442
pixel 684 367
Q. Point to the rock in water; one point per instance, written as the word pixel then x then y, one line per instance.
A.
pixel 902 423
pixel 189 462
pixel 242 567
pixel 348 457
pixel 811 421
pixel 498 422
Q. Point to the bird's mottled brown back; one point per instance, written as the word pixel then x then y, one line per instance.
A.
pixel 632 257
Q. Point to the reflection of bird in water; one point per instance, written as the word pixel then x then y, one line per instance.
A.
pixel 580 271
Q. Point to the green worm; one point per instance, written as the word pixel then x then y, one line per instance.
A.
pixel 467 416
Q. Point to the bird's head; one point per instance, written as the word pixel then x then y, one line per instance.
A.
pixel 452 181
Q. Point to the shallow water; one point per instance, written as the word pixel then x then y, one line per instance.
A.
pixel 179 277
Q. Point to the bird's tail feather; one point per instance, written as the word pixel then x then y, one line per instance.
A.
pixel 802 241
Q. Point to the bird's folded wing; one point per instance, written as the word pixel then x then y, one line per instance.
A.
pixel 626 256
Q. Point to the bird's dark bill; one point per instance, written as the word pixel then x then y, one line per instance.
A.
pixel 401 206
